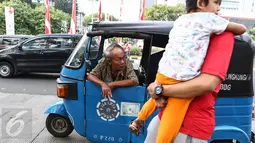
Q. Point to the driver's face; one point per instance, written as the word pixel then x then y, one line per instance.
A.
pixel 118 59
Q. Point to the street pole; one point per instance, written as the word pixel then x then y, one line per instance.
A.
pixel 92 10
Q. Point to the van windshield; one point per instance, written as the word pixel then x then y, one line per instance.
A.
pixel 77 57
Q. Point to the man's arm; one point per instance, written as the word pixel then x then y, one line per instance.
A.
pixel 198 86
pixel 96 73
pixel 201 85
pixel 95 79
pixel 94 76
pixel 122 83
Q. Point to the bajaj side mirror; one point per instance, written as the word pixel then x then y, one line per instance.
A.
pixel 88 65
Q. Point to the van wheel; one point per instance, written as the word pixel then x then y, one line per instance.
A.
pixel 6 69
pixel 58 126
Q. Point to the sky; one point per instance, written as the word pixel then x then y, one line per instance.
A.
pixel 130 8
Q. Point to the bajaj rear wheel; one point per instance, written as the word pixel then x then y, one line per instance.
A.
pixel 59 126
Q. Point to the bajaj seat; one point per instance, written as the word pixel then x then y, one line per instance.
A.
pixel 153 66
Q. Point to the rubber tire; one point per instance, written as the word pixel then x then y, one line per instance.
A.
pixel 11 69
pixel 222 141
pixel 252 137
pixel 51 118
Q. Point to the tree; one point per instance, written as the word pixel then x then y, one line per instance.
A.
pixel 32 21
pixel 64 5
pixel 164 12
pixel 88 19
pixel 252 33
pixel 23 17
pixel 26 1
pixel 57 18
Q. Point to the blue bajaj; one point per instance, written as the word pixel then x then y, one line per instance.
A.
pixel 102 120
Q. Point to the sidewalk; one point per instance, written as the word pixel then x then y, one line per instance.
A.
pixel 30 109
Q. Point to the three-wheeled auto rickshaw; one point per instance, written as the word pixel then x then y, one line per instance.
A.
pixel 103 120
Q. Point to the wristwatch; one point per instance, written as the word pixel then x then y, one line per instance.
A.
pixel 158 90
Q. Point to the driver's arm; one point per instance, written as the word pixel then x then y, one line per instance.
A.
pixel 95 79
pixel 96 73
pixel 213 71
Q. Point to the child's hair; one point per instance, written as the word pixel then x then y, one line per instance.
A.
pixel 191 5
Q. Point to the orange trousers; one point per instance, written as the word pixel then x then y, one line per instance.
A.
pixel 173 115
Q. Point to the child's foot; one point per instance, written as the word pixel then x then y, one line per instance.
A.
pixel 161 102
pixel 135 126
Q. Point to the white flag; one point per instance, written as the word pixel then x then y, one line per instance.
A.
pixel 9 20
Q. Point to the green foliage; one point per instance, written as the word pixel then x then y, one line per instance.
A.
pixel 252 33
pixel 135 51
pixel 88 19
pixel 164 12
pixel 23 17
pixel 32 20
pixel 64 5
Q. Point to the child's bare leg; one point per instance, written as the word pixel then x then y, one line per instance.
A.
pixel 148 108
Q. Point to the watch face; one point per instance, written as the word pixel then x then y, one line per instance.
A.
pixel 158 90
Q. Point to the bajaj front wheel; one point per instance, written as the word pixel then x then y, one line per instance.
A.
pixel 58 126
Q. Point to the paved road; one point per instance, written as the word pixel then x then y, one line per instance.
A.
pixel 43 84
pixel 37 92
pixel 34 130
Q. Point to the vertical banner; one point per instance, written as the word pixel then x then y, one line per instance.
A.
pixel 9 21
pixel 142 9
pixel 106 17
pixel 47 17
pixel 100 11
pixel 72 29
pixel 121 7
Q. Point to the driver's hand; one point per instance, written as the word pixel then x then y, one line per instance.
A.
pixel 111 85
pixel 106 91
pixel 151 88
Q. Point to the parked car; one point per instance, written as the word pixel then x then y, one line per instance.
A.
pixel 7 41
pixel 43 53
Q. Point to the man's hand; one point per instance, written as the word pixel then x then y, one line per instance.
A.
pixel 161 102
pixel 111 85
pixel 151 88
pixel 106 90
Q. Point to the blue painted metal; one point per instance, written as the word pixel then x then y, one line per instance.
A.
pixel 99 130
pixel 57 108
pixel 229 133
pixel 233 118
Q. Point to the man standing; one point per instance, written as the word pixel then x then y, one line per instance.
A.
pixel 199 122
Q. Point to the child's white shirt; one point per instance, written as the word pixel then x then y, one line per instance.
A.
pixel 188 43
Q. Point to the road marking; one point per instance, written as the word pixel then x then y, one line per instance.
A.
pixel 24 89
pixel 44 90
pixel 2 88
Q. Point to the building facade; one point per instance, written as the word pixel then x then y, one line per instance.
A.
pixel 149 3
pixel 244 6
pixel 171 2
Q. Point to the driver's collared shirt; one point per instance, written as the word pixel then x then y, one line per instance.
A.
pixel 103 72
